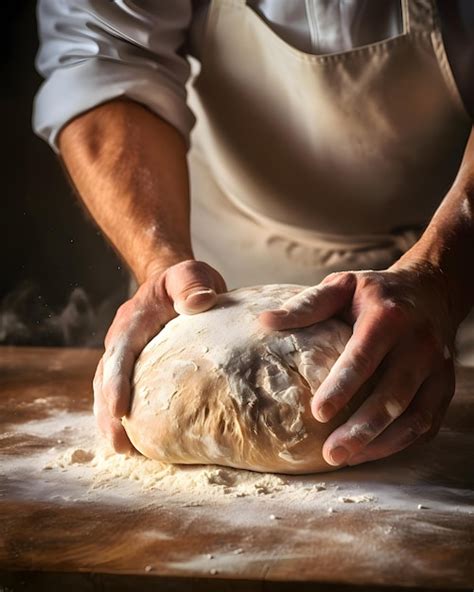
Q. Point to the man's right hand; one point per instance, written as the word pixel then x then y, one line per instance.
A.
pixel 188 287
pixel 130 168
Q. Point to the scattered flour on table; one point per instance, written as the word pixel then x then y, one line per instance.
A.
pixel 85 467
pixel 108 469
pixel 72 463
pixel 58 459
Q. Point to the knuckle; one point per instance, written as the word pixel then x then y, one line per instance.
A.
pixel 361 434
pixel 362 362
pixel 334 276
pixel 371 281
pixel 385 295
pixel 382 413
pixel 202 265
pixel 190 267
pixel 191 275
pixel 392 311
pixel 392 407
pixel 340 277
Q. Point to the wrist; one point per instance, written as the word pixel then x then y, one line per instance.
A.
pixel 436 265
pixel 160 261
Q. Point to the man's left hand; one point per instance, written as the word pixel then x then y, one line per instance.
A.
pixel 403 328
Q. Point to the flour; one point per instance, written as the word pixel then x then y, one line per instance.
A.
pixel 82 467
pixel 357 499
pixel 79 465
pixel 303 303
pixel 107 470
pixel 361 431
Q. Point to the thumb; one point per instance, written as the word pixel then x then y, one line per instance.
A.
pixel 192 286
pixel 312 304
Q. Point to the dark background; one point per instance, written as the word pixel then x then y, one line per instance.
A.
pixel 60 281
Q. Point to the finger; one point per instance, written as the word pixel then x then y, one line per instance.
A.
pixel 135 324
pixel 392 395
pixel 119 361
pixel 422 418
pixel 312 305
pixel 120 357
pixel 313 363
pixel 311 369
pixel 110 427
pixel 141 318
pixel 97 381
pixel 193 286
pixel 113 431
pixel 375 333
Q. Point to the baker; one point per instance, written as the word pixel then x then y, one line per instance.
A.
pixel 332 147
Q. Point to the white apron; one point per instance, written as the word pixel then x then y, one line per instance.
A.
pixel 307 164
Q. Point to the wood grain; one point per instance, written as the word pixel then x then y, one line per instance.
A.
pixel 430 550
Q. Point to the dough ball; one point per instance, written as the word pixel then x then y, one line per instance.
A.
pixel 217 388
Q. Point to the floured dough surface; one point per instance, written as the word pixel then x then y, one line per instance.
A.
pixel 218 388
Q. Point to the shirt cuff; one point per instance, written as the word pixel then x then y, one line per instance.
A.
pixel 72 90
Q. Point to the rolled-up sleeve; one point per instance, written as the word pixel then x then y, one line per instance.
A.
pixel 92 51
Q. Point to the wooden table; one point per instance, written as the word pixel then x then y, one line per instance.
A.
pixel 49 542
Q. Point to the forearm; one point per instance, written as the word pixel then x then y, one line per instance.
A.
pixel 130 170
pixel 448 242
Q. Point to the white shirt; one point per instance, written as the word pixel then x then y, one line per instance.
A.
pixel 95 50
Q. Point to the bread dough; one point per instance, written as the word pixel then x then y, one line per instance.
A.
pixel 218 388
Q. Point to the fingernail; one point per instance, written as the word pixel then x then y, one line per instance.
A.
pixel 195 302
pixel 199 293
pixel 326 412
pixel 338 455
pixel 280 312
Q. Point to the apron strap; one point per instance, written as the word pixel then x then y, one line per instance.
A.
pixel 418 15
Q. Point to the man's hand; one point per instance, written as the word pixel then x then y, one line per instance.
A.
pixel 402 325
pixel 188 287
pixel 130 169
